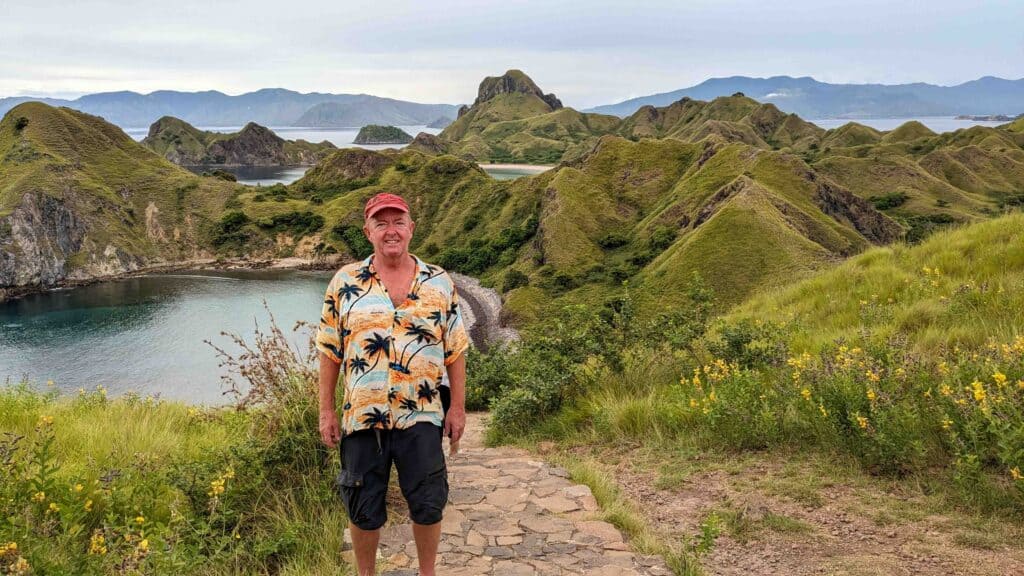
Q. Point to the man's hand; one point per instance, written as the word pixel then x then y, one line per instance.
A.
pixel 455 423
pixel 330 432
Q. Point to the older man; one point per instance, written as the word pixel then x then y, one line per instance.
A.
pixel 391 326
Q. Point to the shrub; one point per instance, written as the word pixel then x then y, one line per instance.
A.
pixel 514 279
pixel 354 239
pixel 20 123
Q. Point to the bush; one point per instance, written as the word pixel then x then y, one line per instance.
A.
pixel 890 200
pixel 354 239
pixel 514 279
pixel 20 123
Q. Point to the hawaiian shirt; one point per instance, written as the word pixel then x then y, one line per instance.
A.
pixel 393 359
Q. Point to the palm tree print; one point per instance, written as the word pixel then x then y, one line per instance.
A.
pixel 387 346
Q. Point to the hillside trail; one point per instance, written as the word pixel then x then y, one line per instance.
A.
pixel 510 514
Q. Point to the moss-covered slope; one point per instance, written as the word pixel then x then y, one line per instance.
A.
pixel 79 198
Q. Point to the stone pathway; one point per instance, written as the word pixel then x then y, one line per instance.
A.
pixel 511 515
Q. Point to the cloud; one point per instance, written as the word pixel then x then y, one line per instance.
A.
pixel 586 52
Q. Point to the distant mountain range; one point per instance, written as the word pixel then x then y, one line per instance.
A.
pixel 269 107
pixel 812 99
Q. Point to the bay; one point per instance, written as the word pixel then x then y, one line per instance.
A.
pixel 146 334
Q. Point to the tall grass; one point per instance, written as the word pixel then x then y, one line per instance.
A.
pixel 93 485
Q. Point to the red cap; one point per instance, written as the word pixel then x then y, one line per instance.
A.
pixel 384 200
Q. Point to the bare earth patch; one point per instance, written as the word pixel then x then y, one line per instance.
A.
pixel 799 514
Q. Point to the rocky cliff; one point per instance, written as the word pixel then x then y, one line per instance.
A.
pixel 253 145
pixel 79 199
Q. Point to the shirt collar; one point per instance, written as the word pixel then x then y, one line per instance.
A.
pixel 421 266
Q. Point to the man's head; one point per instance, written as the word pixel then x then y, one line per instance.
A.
pixel 388 224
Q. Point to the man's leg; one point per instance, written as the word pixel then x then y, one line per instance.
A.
pixel 364 544
pixel 427 540
pixel 423 477
pixel 363 484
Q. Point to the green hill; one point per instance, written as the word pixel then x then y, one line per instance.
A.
pixel 253 145
pixel 512 120
pixel 734 118
pixel 653 211
pixel 375 134
pixel 79 198
pixel 960 287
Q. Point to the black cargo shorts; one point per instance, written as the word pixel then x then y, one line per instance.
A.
pixel 366 470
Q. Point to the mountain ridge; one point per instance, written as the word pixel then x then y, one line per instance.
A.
pixel 813 99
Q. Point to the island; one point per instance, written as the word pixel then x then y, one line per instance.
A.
pixel 376 134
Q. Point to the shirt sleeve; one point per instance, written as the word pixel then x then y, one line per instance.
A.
pixel 328 334
pixel 455 338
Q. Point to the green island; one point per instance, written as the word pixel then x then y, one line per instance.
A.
pixel 709 294
pixel 253 145
pixel 374 134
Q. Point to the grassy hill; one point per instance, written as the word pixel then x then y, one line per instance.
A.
pixel 253 145
pixel 958 288
pixel 78 198
pixel 653 212
pixel 512 120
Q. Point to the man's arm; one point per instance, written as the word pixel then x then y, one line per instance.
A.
pixel 330 432
pixel 455 419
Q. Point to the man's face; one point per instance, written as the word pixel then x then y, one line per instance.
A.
pixel 390 231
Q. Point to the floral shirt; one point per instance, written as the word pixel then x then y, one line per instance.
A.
pixel 393 359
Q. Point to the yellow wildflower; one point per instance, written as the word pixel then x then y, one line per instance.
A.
pixel 88 506
pixel 11 547
pixel 946 423
pixel 927 271
pixel 711 396
pixel 128 537
pixel 806 394
pixel 78 487
pixel 693 403
pixel 862 422
pixel 54 508
pixel 39 496
pixel 97 544
pixel 978 390
pixel 1000 378
pixel 140 519
pixel 871 395
pixel 45 421
pixel 943 367
pixel 20 566
pixel 928 393
pixel 1020 384
pixel 1015 473
pixel 230 472
pixel 872 375
pixel 821 408
pixel 144 545
pixel 945 390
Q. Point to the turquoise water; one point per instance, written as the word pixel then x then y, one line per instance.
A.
pixel 146 334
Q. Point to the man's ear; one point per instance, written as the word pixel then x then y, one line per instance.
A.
pixel 366 230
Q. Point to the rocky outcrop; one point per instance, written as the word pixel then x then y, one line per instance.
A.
pixel 36 240
pixel 513 81
pixel 859 213
pixel 253 145
pixel 428 144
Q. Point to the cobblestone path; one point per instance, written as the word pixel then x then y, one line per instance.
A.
pixel 511 515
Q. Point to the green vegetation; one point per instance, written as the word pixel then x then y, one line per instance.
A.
pixel 908 359
pixel 137 485
pixel 374 134
pixel 184 144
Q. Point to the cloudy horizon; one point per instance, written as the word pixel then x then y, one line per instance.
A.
pixel 588 53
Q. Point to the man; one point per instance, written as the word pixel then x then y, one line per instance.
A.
pixel 391 326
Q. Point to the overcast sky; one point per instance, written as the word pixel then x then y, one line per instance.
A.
pixel 588 52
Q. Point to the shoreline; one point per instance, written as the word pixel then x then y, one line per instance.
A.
pixel 531 167
pixel 287 263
